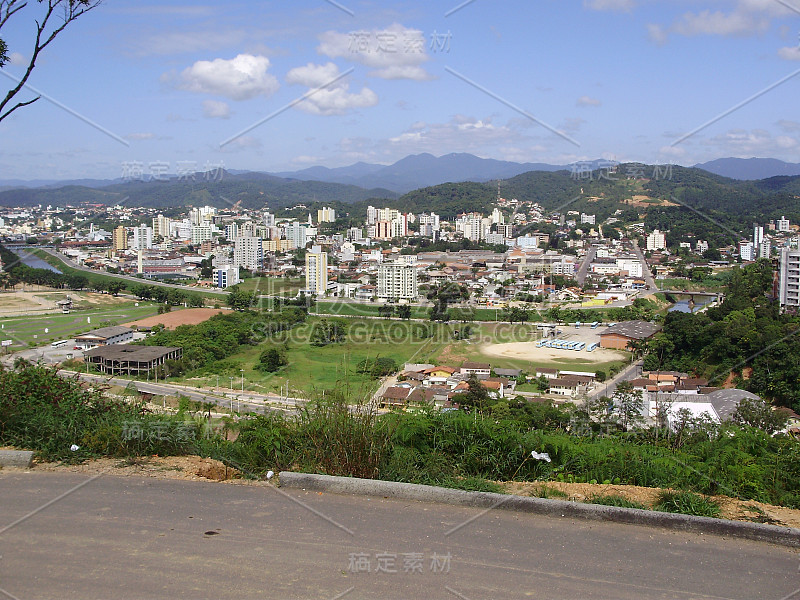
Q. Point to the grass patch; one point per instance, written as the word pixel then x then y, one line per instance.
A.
pixel 614 500
pixel 548 491
pixel 687 503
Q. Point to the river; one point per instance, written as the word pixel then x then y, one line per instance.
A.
pixel 684 306
pixel 34 261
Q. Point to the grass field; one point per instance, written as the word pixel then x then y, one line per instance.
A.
pixel 321 368
pixel 29 330
pixel 270 286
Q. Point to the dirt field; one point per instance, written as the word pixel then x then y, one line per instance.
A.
pixel 731 508
pixel 170 320
pixel 528 351
pixel 18 303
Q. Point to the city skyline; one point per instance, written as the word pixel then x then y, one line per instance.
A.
pixel 256 86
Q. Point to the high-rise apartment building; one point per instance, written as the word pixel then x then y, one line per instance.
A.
pixel 248 253
pixel 789 279
pixel 397 281
pixel 656 240
pixel 317 271
pixel 119 238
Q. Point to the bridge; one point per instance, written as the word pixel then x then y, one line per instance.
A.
pixel 716 295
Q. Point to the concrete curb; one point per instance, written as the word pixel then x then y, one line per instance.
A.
pixel 21 459
pixel 784 536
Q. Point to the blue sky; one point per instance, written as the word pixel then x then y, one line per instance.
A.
pixel 175 85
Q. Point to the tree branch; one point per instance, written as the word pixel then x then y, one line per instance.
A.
pixel 73 9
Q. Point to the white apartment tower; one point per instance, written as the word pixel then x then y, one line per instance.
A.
pixel 142 238
pixel 317 271
pixel 397 281
pixel 789 279
pixel 326 215
pixel 248 253
pixel 656 240
pixel 782 224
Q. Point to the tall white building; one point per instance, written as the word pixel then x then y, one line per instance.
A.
pixel 299 234
pixel 782 224
pixel 226 276
pixel 397 281
pixel 758 234
pixel 161 226
pixel 269 219
pixel 201 233
pixel 765 248
pixel 248 253
pixel 231 231
pixel 317 271
pixel 789 279
pixel 372 215
pixel 588 219
pixel 326 215
pixel 142 237
pixel 747 251
pixel 656 240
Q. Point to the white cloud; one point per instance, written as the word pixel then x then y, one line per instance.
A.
pixel 657 34
pixel 328 98
pixel 240 78
pixel 588 101
pixel 186 42
pixel 396 52
pixel 790 53
pixel 789 126
pixel 755 142
pixel 215 109
pixel 746 17
pixel 617 5
pixel 140 136
pixel 719 23
pixel 243 142
pixel 17 59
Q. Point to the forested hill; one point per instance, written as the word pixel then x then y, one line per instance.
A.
pixel 252 190
pixel 664 193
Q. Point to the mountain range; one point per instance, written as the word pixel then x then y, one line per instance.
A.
pixel 750 169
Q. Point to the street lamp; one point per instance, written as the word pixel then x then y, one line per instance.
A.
pixel 231 378
pixel 242 370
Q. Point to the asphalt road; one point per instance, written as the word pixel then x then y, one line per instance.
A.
pixel 130 537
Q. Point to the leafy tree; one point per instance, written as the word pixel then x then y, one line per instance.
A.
pixel 403 311
pixel 328 331
pixel 57 15
pixel 239 299
pixel 378 367
pixel 271 360
pixel 476 397
pixel 386 311
pixel 628 405
pixel 115 287
pixel 758 413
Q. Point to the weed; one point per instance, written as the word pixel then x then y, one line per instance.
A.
pixel 614 500
pixel 687 503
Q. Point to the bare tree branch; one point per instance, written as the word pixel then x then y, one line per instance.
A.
pixel 72 10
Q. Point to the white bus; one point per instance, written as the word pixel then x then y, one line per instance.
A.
pixel 59 343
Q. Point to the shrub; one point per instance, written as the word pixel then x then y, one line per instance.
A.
pixel 614 500
pixel 687 503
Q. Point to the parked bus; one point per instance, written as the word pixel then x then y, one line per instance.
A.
pixel 59 343
pixel 592 347
pixel 595 324
pixel 580 346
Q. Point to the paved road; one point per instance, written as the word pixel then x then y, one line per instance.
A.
pixel 608 388
pixel 652 288
pixel 131 537
pixel 583 270
pixel 71 263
